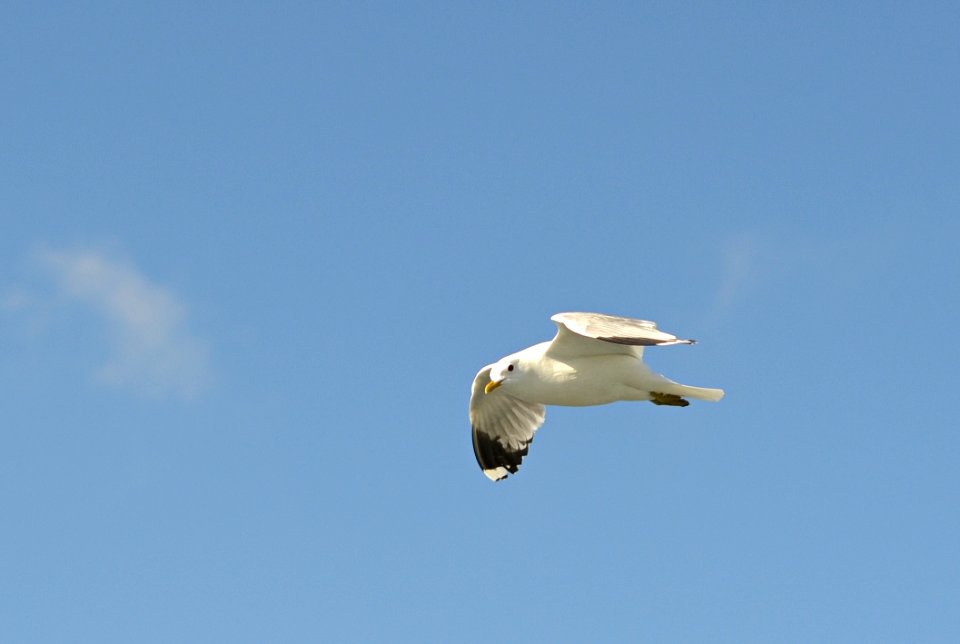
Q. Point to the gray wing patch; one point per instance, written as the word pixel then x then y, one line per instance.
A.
pixel 617 330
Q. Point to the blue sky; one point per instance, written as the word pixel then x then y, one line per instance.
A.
pixel 254 253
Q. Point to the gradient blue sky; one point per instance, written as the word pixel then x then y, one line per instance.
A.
pixel 253 254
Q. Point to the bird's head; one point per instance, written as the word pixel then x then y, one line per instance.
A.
pixel 502 372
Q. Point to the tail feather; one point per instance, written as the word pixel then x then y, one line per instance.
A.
pixel 668 386
pixel 699 393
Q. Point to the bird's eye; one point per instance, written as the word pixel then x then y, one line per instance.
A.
pixel 510 367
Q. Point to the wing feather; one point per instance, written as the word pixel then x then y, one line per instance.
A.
pixel 583 334
pixel 503 427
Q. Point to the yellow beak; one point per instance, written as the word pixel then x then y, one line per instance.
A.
pixel 491 386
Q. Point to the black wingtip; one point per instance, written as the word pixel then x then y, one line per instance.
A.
pixel 492 455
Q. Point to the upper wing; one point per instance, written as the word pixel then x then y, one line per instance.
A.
pixel 503 427
pixel 578 335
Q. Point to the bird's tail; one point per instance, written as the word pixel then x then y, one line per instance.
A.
pixel 697 393
pixel 664 385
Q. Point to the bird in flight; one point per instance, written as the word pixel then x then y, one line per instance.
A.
pixel 594 359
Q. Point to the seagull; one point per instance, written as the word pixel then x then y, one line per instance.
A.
pixel 594 359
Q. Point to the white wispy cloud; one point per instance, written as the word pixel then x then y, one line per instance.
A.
pixel 738 272
pixel 153 349
pixel 748 262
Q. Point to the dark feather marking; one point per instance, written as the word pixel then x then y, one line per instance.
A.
pixel 491 452
pixel 644 342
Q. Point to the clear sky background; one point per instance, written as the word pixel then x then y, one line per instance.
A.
pixel 252 255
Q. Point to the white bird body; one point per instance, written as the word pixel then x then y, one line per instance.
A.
pixel 587 380
pixel 594 359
